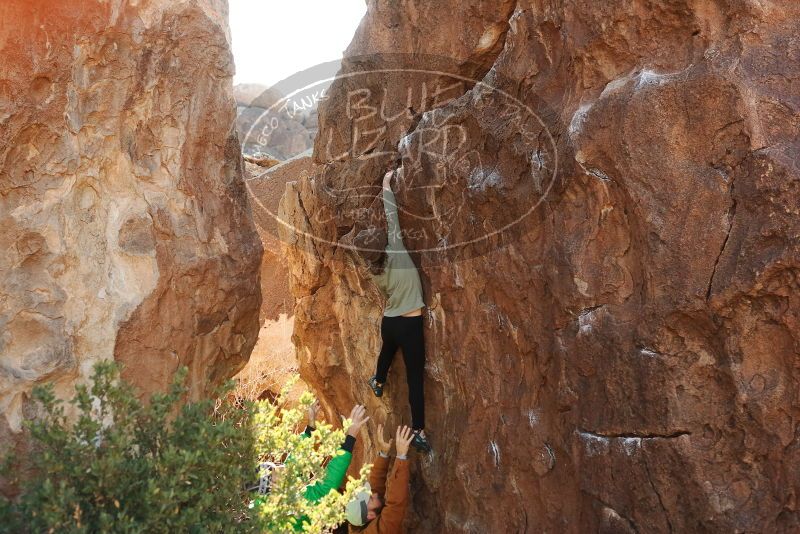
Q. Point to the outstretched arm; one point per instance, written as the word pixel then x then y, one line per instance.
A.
pixel 337 467
pixel 394 511
pixel 334 473
pixel 380 468
pixel 394 238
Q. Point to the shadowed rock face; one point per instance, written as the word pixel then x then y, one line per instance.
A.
pixel 273 361
pixel 126 228
pixel 625 359
pixel 265 188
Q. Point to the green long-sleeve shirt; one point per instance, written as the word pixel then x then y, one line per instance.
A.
pixel 399 282
pixel 335 474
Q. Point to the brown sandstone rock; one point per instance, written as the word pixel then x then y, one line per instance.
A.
pixel 265 188
pixel 273 361
pixel 126 228
pixel 262 161
pixel 256 106
pixel 625 357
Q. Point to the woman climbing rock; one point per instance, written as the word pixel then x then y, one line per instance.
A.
pixel 395 273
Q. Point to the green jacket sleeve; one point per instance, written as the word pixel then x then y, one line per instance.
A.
pixel 334 476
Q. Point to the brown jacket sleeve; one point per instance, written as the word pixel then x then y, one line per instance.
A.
pixel 377 475
pixel 390 520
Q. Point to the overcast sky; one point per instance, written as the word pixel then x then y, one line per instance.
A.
pixel 273 39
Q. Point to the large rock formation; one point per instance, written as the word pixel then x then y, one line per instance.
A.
pixel 608 234
pixel 256 105
pixel 265 188
pixel 273 361
pixel 126 228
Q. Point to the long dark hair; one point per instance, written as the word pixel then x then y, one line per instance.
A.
pixel 379 265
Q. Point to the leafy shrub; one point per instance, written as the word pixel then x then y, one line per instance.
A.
pixel 278 441
pixel 123 466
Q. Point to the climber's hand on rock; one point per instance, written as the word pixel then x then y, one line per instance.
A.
pixel 358 416
pixel 383 445
pixel 387 180
pixel 403 439
pixel 313 410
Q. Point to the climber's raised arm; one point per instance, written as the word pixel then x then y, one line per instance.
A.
pixel 389 517
pixel 337 468
pixel 393 236
pixel 380 468
pixel 394 272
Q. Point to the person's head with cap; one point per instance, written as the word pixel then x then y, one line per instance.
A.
pixel 364 507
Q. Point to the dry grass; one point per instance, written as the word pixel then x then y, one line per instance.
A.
pixel 272 364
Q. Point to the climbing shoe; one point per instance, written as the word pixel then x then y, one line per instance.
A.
pixel 420 443
pixel 377 387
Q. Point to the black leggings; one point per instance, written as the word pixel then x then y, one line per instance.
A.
pixel 405 333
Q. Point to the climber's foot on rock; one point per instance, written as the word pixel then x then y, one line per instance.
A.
pixel 420 442
pixel 377 387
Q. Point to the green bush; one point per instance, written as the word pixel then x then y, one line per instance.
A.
pixel 278 441
pixel 122 466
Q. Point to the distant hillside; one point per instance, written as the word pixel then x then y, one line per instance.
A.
pixel 259 110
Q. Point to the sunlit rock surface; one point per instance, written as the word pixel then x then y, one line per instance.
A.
pixel 273 361
pixel 126 228
pixel 625 358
